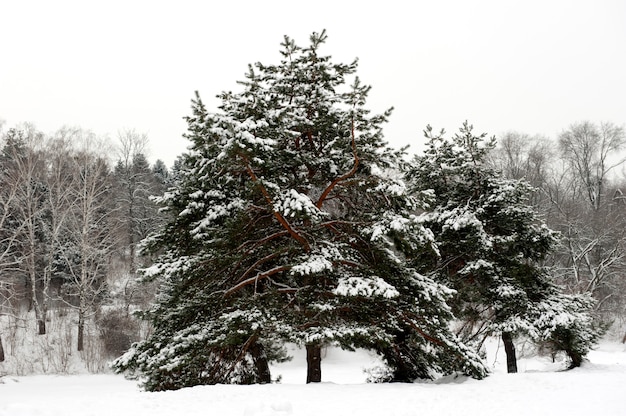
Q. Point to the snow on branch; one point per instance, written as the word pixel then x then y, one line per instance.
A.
pixel 367 287
pixel 293 203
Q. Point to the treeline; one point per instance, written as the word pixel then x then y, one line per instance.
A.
pixel 72 210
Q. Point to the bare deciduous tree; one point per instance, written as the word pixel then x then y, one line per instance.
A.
pixel 134 187
pixel 88 234
pixel 521 156
pixel 586 212
pixel 588 149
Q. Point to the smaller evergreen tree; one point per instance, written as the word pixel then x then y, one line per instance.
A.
pixel 491 246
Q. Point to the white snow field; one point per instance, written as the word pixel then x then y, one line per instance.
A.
pixel 539 389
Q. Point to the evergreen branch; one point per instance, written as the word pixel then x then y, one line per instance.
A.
pixel 343 177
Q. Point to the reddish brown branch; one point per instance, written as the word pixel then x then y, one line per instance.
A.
pixel 258 263
pixel 277 214
pixel 422 333
pixel 255 279
pixel 255 244
pixel 331 225
pixel 309 135
pixel 244 349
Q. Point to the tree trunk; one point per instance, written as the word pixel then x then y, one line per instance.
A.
pixel 1 350
pixel 81 331
pixel 575 357
pixel 396 358
pixel 313 363
pixel 39 315
pixel 260 363
pixel 41 325
pixel 509 348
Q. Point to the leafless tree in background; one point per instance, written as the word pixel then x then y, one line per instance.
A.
pixel 592 153
pixel 521 156
pixel 134 188
pixel 89 232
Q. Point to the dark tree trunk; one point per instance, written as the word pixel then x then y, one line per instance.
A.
pixel 313 363
pixel 509 348
pixel 397 358
pixel 260 363
pixel 41 325
pixel 575 357
pixel 401 372
pixel 1 350
pixel 81 332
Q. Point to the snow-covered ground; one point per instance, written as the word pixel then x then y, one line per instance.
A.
pixel 539 389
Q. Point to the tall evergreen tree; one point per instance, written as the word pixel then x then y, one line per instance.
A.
pixel 491 246
pixel 285 227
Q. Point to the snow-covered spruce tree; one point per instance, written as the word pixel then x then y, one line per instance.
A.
pixel 279 233
pixel 491 247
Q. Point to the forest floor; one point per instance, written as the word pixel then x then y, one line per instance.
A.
pixel 540 388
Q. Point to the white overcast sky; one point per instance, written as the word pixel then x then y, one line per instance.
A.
pixel 530 66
